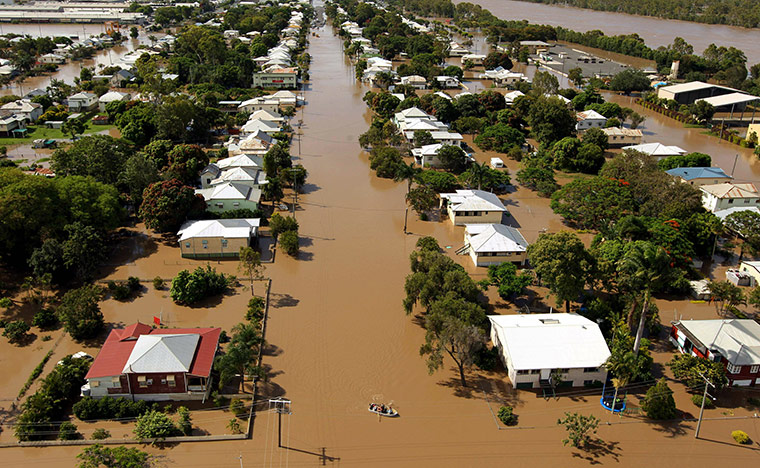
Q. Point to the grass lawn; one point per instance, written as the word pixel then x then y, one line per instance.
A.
pixel 35 132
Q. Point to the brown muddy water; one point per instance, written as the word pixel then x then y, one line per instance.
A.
pixel 338 338
pixel 655 31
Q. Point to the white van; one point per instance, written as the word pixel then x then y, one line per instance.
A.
pixel 497 163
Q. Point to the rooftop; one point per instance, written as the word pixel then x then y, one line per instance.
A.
pixel 729 190
pixel 474 200
pixel 691 173
pixel 226 228
pixel 495 238
pixel 657 149
pixel 690 86
pixel 550 341
pixel 735 339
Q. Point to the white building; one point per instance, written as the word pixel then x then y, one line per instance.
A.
pixel 473 207
pixel 111 96
pixel 415 81
pixel 589 119
pixel 493 244
pixel 617 136
pixel 656 150
pixel 535 346
pixel 719 197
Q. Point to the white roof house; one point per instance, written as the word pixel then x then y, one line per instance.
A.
pixel 242 160
pixel 226 228
pixel 230 196
pixel 589 119
pixel 415 81
pixel 252 126
pixel 162 353
pixel 111 96
pixel 266 116
pixel 473 207
pixel 286 97
pixel 657 150
pixel 495 243
pixel 718 197
pixel 534 345
pixel 510 97
pixel 253 177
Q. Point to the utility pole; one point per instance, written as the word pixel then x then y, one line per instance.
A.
pixel 281 406
pixel 702 408
pixel 241 460
pixel 734 168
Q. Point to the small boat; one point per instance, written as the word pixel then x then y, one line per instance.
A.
pixel 382 410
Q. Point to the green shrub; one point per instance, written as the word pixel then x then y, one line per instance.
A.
pixel 158 283
pixel 67 431
pixel 89 408
pixel 289 242
pixel 133 283
pixel 184 421
pixel 16 331
pixel 658 402
pixel 100 434
pixel 155 425
pixel 46 338
pixel 697 400
pixel 279 224
pixel 506 416
pixel 255 309
pixel 237 407
pixel 741 437
pixel 120 291
pixel 219 400
pixel 234 426
pixel 189 288
pixel 6 302
pixel 45 319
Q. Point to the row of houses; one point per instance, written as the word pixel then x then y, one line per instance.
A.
pixel 277 69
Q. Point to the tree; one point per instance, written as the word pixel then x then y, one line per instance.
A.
pixel 454 336
pixel 279 224
pixel 746 224
pixel 505 277
pixel 250 264
pixel 497 59
pixel 16 331
pixel 97 456
pixel 68 431
pixel 690 369
pixel 589 160
pixel 186 163
pixel 561 261
pixel 579 429
pixel 452 158
pixel 500 138
pixel 289 242
pixel 241 354
pixel 140 171
pixel 702 110
pixel 83 250
pixel 100 156
pixel 79 312
pixel 422 199
pixel 550 120
pixel 167 204
pixel 727 294
pixel 155 425
pixel 622 363
pixel 422 138
pixel 593 203
pixel 544 83
pixel 540 179
pixel 686 160
pixel 597 137
pixel 385 161
pixel 659 402
pixel 185 425
pixel 407 172
pixel 576 76
pixel 753 298
pixel 630 80
pixel 645 268
pixel 133 32
pixel 189 288
pixel 47 259
pixel 74 127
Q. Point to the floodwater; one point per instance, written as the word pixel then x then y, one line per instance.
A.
pixel 338 338
pixel 655 31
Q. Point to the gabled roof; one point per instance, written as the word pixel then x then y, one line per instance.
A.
pixel 495 238
pixel 119 346
pixel 230 191
pixel 412 113
pixel 241 228
pixel 656 149
pixel 427 150
pixel 243 160
pixel 473 200
pixel 264 126
pixel 736 340
pixel 241 174
pixel 550 341
pixel 729 190
pixel 83 95
pixel 691 173
pixel 589 115
pixel 113 96
pixel 266 116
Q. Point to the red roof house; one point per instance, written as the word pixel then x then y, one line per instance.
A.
pixel 154 364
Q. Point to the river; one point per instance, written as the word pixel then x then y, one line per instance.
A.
pixel 655 31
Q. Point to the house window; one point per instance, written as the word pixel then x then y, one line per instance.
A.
pixel 142 381
pixel 220 205
pixel 236 204
pixel 730 201
pixel 95 383
pixel 590 369
pixel 562 371
pixel 746 201
pixel 523 372
pixel 187 244
pixel 205 244
pixel 535 371
pixel 224 242
pixel 170 380
pixel 754 369
pixel 733 369
pixel 115 382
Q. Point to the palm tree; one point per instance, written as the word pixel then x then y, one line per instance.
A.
pixel 644 268
pixel 622 362
pixel 408 173
pixel 478 172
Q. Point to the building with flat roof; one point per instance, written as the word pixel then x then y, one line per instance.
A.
pixel 688 93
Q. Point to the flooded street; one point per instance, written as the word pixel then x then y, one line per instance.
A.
pixel 338 337
pixel 655 31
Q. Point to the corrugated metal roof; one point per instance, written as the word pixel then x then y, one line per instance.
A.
pixel 474 200
pixel 736 340
pixel 691 173
pixel 495 238
pixel 728 190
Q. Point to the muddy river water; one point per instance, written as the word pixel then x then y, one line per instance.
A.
pixel 338 337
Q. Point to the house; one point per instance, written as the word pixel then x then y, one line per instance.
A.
pixel 30 111
pixel 216 238
pixel 589 119
pixel 656 150
pixel 457 50
pixel 494 244
pixel 733 342
pixel 412 113
pixel 111 96
pixel 51 58
pixel 472 207
pixel 752 269
pixel 445 137
pixel 700 175
pixel 446 82
pixel 252 126
pixel 147 363
pixel 253 177
pixel 510 97
pixel 476 59
pixel 259 103
pixel 286 98
pixel 717 197
pixel 230 196
pixel 12 126
pixel 120 78
pixel 267 116
pixel 242 160
pixel 534 347
pixel 502 77
pixel 415 81
pixel 82 102
pixel 427 155
pixel 276 78
pixel 535 46
pixel 257 143
pixel 620 136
